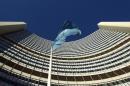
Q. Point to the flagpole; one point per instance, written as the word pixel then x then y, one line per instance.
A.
pixel 57 43
pixel 50 67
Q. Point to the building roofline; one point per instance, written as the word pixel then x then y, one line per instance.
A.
pixel 115 26
pixel 8 27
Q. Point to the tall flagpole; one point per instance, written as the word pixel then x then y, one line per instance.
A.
pixel 49 73
pixel 58 42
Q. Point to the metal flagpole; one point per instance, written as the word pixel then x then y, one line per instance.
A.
pixel 60 39
pixel 49 73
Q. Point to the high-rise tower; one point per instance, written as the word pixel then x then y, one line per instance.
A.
pixel 100 59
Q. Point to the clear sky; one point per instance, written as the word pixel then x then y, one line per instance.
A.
pixel 45 17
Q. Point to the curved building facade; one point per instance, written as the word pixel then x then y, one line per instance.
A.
pixel 100 59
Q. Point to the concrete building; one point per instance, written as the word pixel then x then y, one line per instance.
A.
pixel 100 59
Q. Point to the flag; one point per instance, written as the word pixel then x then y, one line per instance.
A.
pixel 60 39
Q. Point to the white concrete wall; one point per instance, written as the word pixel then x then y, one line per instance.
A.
pixel 115 26
pixel 7 27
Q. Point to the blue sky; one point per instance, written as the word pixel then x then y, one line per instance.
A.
pixel 45 17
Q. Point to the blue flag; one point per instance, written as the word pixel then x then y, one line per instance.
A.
pixel 60 39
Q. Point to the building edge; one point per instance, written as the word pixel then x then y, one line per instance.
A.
pixel 115 26
pixel 8 27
